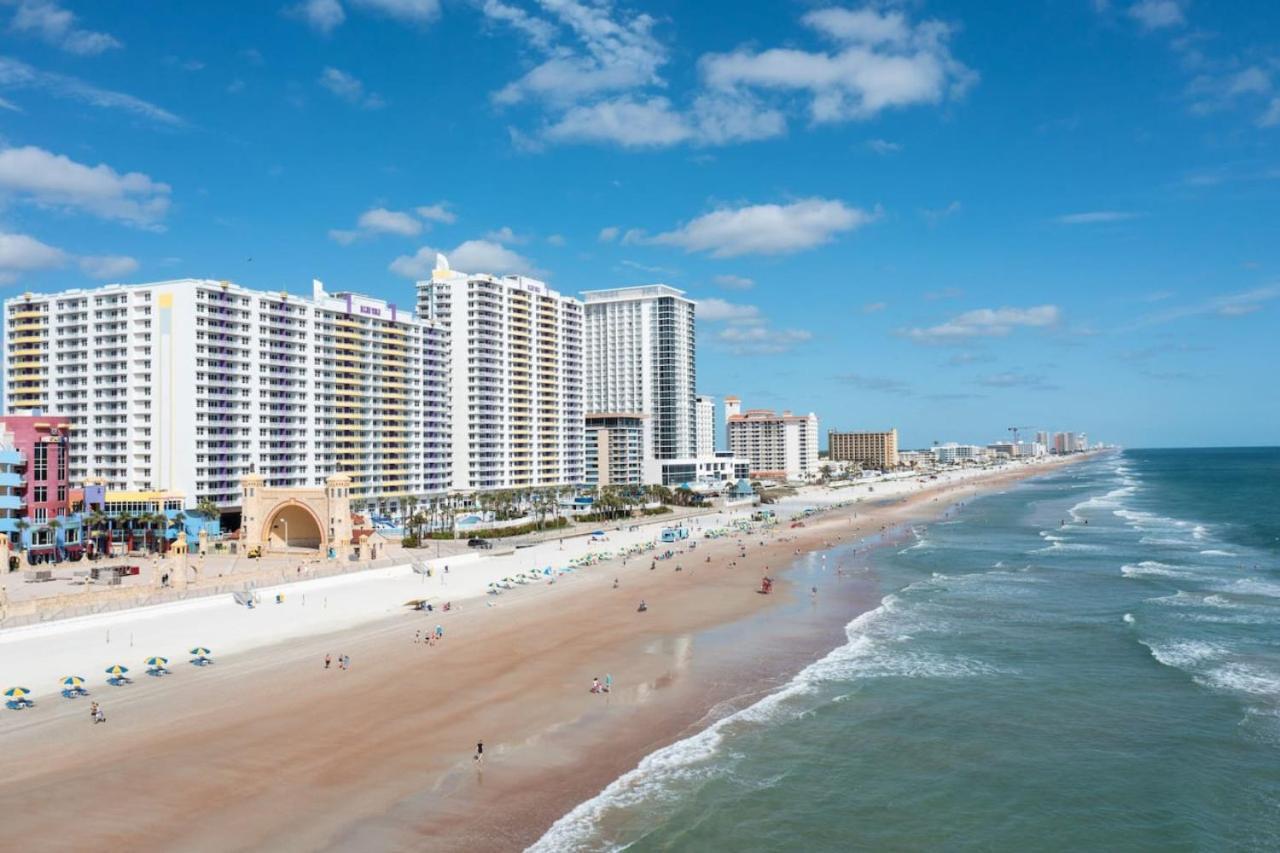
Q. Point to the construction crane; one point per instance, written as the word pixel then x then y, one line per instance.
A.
pixel 1014 431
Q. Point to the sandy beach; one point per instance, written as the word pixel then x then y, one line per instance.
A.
pixel 266 749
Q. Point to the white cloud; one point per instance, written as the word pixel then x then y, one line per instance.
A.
pixel 883 146
pixel 1012 379
pixel 380 220
pixel 610 54
pixel 540 33
pixel 1271 116
pixel 609 234
pixel 766 228
pixel 384 221
pixel 986 322
pixel 54 25
pixel 936 214
pixel 55 181
pixel 19 75
pixel 881 61
pixel 506 235
pixel 1094 217
pixel 734 282
pixel 1157 14
pixel 20 253
pixel 349 88
pixel 626 121
pixel 719 310
pixel 556 240
pixel 438 212
pixel 1228 305
pixel 476 256
pixel 108 266
pixel 405 11
pixel 323 16
pixel 874 307
pixel 761 340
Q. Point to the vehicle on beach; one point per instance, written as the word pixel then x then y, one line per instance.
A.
pixel 479 543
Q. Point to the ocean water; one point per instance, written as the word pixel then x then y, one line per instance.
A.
pixel 1090 660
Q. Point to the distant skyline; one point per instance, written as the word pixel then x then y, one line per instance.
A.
pixel 941 216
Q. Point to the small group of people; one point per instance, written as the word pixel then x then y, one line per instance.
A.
pixel 429 637
pixel 344 661
pixel 602 687
pixel 96 713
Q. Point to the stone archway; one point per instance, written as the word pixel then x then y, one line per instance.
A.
pixel 293 526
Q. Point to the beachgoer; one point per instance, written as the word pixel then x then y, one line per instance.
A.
pixel 93 711
pixel 327 660
pixel 615 583
pixel 346 661
pixel 439 632
pixel 99 715
pixel 417 636
pixel 643 607
pixel 479 751
pixel 595 685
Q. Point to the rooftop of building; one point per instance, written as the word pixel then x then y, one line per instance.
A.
pixel 638 291
pixel 348 302
pixel 445 273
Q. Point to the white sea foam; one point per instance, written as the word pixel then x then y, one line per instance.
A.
pixel 1214 552
pixel 1255 586
pixel 1184 654
pixel 1150 568
pixel 1128 619
pixel 1243 678
pixel 875 650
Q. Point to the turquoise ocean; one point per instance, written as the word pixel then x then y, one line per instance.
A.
pixel 1087 661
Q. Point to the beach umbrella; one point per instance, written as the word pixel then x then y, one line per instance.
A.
pixel 117 670
pixel 200 651
pixel 73 681
pixel 17 692
pixel 157 662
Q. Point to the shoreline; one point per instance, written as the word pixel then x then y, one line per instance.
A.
pixel 379 757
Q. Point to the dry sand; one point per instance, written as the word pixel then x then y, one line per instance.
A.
pixel 268 750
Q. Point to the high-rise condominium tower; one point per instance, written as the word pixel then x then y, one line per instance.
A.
pixel 640 358
pixel 187 385
pixel 515 378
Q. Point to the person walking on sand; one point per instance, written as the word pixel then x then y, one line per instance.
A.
pixel 328 659
pixel 595 685
pixel 479 756
pixel 439 632
pixel 346 662
pixel 417 636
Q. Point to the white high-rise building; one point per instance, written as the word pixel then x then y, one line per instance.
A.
pixel 515 378
pixel 780 447
pixel 706 431
pixel 187 385
pixel 640 358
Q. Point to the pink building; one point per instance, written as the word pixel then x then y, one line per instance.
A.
pixel 33 482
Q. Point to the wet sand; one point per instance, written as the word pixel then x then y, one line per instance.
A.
pixel 268 750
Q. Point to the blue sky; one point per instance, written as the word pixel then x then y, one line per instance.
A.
pixel 949 217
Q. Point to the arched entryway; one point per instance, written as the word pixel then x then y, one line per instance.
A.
pixel 293 527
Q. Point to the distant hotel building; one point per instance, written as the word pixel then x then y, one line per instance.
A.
pixel 952 453
pixel 618 449
pixel 706 429
pixel 516 378
pixel 640 358
pixel 781 447
pixel 869 449
pixel 184 386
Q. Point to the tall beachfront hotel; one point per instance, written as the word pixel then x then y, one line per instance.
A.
pixel 186 385
pixel 641 358
pixel 516 379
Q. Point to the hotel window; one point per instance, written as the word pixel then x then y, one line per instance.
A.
pixel 40 494
pixel 62 462
pixel 62 494
pixel 41 461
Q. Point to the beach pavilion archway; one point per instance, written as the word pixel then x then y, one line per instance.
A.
pixel 293 526
pixel 294 519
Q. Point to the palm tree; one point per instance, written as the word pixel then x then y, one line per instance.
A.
pixel 53 526
pixel 208 509
pixel 94 521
